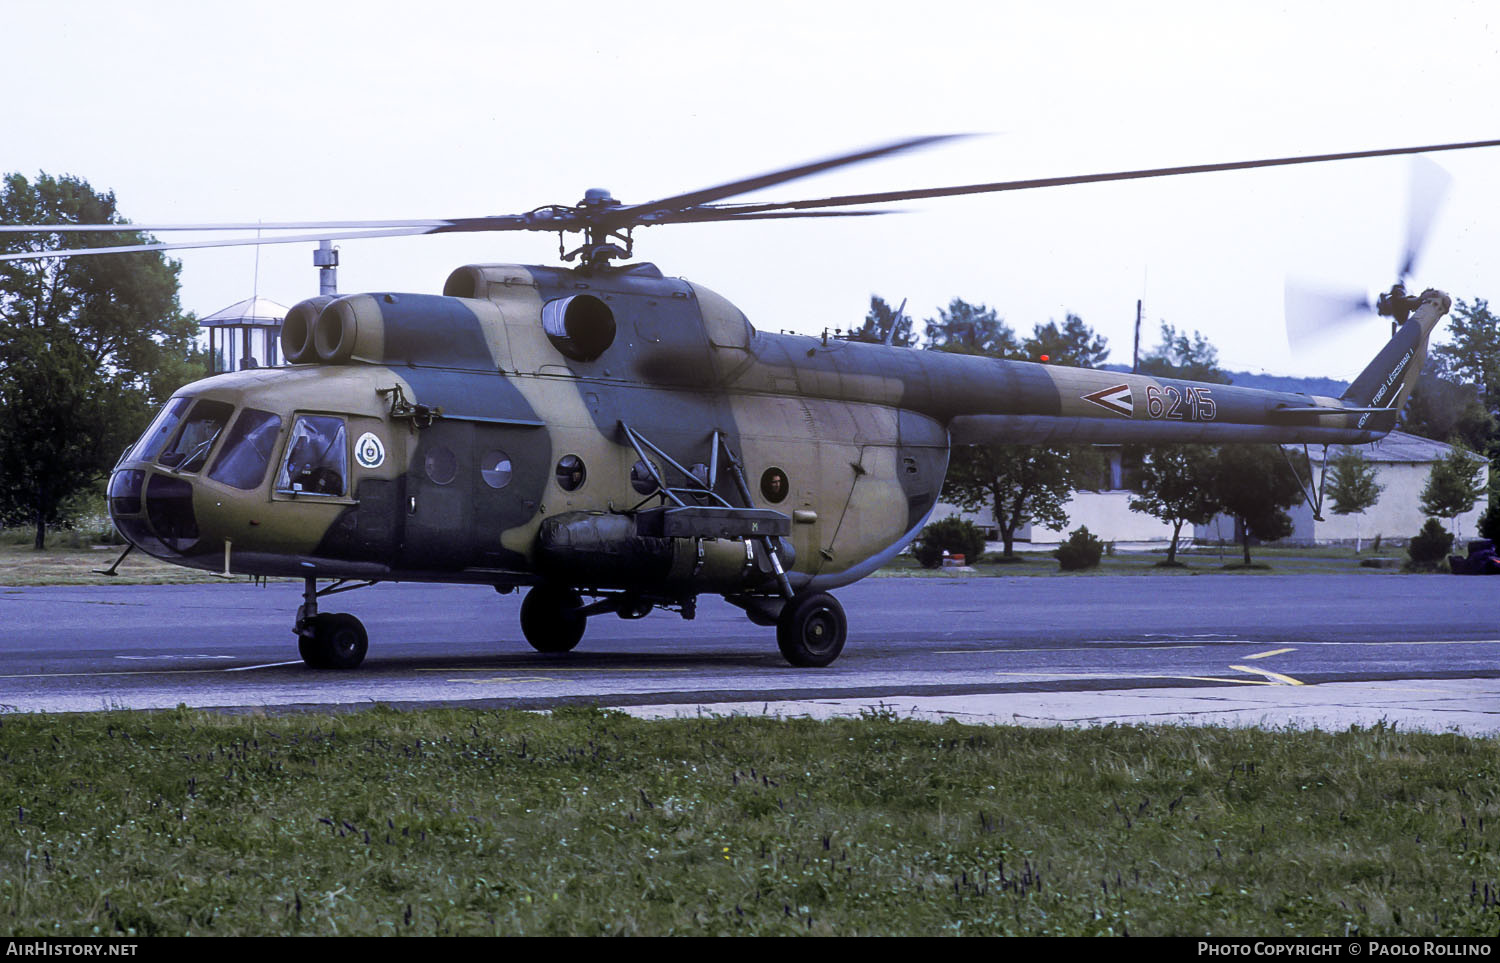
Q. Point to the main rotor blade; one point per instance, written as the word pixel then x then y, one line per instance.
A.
pixel 883 197
pixel 702 214
pixel 1429 185
pixel 236 242
pixel 633 212
pixel 233 226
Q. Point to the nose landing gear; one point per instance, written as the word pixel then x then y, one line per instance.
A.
pixel 334 640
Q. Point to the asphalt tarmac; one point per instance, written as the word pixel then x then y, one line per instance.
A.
pixel 1324 651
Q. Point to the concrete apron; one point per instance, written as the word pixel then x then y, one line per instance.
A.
pixel 1466 706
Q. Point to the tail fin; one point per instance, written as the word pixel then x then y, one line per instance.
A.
pixel 1388 381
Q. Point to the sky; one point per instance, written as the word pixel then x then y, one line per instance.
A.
pixel 201 112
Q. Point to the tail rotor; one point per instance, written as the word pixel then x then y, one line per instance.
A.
pixel 1315 313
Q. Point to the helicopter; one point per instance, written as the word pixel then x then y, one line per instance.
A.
pixel 616 441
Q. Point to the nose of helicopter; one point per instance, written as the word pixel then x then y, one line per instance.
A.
pixel 159 493
pixel 154 511
pixel 230 474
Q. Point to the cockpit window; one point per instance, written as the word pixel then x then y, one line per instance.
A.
pixel 161 430
pixel 316 457
pixel 189 450
pixel 247 451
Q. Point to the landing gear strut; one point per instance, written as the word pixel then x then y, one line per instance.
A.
pixel 334 640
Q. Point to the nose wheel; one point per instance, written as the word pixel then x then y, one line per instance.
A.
pixel 333 640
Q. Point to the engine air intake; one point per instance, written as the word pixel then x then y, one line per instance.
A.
pixel 297 330
pixel 582 327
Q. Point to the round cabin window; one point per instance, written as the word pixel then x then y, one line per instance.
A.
pixel 774 486
pixel 570 473
pixel 441 465
pixel 495 469
pixel 642 478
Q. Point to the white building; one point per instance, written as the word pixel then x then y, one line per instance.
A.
pixel 1105 511
pixel 1402 464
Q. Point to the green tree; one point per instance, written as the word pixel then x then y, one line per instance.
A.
pixel 1442 408
pixel 1074 344
pixel 1182 356
pixel 88 346
pixel 1254 484
pixel 60 426
pixel 1353 487
pixel 877 325
pixel 1471 354
pixel 1175 485
pixel 972 329
pixel 1020 483
pixel 1453 486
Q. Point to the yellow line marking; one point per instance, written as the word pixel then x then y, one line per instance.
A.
pixel 1043 676
pixel 508 679
pixel 1283 679
pixel 1144 646
pixel 93 675
pixel 1267 655
pixel 1075 648
pixel 1210 678
pixel 567 668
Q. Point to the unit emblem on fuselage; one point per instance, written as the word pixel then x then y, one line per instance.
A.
pixel 1117 399
pixel 368 451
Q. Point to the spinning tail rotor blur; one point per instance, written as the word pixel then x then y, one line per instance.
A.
pixel 1315 313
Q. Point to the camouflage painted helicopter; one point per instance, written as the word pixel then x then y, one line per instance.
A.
pixel 606 432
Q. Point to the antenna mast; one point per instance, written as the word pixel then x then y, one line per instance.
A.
pixel 326 260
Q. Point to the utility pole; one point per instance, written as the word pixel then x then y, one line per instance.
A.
pixel 1135 358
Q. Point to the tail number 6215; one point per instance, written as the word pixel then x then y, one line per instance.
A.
pixel 1172 403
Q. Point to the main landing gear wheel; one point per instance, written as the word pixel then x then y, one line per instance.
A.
pixel 338 642
pixel 550 618
pixel 811 630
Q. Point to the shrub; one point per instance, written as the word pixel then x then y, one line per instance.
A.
pixel 958 536
pixel 928 554
pixel 1429 547
pixel 1489 522
pixel 1082 550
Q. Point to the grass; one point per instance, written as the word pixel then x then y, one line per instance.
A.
pixel 67 562
pixel 63 563
pixel 585 822
pixel 72 558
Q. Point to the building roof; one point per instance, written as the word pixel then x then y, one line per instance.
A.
pixel 1398 446
pixel 249 311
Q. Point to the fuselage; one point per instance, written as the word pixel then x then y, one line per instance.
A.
pixel 434 437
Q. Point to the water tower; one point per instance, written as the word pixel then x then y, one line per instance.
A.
pixel 245 334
